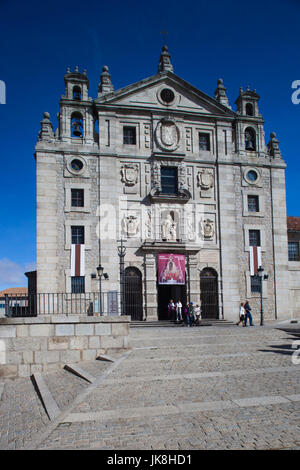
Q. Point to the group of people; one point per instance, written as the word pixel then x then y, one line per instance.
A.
pixel 245 314
pixel 190 315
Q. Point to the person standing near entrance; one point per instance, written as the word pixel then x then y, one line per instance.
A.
pixel 186 315
pixel 197 314
pixel 171 310
pixel 191 314
pixel 178 307
pixel 248 313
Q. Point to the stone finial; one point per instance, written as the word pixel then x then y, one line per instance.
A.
pixel 273 147
pixel 220 94
pixel 46 132
pixel 165 61
pixel 105 86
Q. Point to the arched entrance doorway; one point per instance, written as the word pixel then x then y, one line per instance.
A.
pixel 133 293
pixel 164 294
pixel 209 293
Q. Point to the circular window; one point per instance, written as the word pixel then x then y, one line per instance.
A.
pixel 167 95
pixel 252 176
pixel 76 165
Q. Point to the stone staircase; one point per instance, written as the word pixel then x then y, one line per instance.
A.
pixel 166 323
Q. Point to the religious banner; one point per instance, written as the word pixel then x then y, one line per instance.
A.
pixel 171 268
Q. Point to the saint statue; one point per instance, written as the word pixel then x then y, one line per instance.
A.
pixel 168 228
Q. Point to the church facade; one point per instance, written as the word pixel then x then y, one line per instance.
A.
pixel 188 184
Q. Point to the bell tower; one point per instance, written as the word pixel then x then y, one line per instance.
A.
pixel 250 136
pixel 76 120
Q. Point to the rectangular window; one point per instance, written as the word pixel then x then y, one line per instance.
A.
pixel 129 135
pixel 255 284
pixel 169 180
pixel 77 235
pixel 77 285
pixel 204 141
pixel 77 197
pixel 253 204
pixel 254 237
pixel 293 251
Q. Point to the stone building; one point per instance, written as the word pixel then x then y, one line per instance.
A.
pixel 187 181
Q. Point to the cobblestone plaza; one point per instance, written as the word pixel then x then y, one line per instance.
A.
pixel 218 387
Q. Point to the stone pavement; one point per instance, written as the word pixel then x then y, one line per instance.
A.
pixel 177 388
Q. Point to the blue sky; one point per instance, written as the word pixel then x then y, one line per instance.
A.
pixel 246 43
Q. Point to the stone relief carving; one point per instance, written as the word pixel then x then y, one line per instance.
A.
pixel 205 179
pixel 130 174
pixel 148 224
pixel 168 228
pixel 190 228
pixel 131 225
pixel 167 134
pixel 155 179
pixel 207 228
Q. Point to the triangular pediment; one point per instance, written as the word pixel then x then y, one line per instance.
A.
pixel 147 94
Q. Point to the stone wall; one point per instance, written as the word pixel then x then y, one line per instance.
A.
pixel 40 344
pixel 294 285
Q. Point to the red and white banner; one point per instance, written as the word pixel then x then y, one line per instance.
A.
pixel 77 260
pixel 171 268
pixel 255 259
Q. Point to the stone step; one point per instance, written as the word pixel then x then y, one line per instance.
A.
pixel 166 323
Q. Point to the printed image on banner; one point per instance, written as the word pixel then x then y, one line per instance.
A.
pixel 171 268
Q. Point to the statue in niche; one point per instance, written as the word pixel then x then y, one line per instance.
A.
pixel 207 228
pixel 168 228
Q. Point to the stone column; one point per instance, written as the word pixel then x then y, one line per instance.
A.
pixel 193 284
pixel 151 307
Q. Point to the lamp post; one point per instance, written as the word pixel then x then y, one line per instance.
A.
pixel 100 274
pixel 260 271
pixel 121 253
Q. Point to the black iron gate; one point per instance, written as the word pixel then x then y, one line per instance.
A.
pixel 133 293
pixel 209 293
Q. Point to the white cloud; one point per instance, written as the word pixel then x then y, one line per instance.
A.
pixel 12 274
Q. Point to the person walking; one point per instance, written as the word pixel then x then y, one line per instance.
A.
pixel 178 307
pixel 242 315
pixel 248 313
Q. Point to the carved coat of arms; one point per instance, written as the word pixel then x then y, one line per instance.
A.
pixel 205 179
pixel 207 227
pixel 129 174
pixel 167 134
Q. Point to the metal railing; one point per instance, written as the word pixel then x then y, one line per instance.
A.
pixel 32 305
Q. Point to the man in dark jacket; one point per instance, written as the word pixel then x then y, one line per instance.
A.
pixel 248 313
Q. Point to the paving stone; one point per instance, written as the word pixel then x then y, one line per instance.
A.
pixel 229 389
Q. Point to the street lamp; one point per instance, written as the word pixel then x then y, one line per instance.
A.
pixel 121 253
pixel 260 271
pixel 262 276
pixel 100 270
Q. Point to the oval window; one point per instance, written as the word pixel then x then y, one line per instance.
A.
pixel 76 165
pixel 167 95
pixel 252 175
